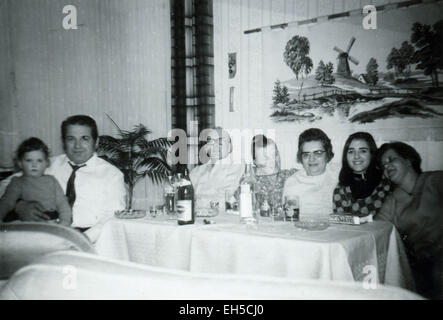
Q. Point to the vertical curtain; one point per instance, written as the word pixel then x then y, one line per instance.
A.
pixel 192 66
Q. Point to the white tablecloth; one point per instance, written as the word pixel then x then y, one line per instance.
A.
pixel 371 253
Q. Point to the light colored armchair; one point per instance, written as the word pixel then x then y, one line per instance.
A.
pixel 23 242
pixel 78 275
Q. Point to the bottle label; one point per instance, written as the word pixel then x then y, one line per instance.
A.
pixel 245 205
pixel 170 202
pixel 183 183
pixel 184 208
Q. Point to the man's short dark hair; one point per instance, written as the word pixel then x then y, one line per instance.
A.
pixel 315 134
pixel 82 120
pixel 32 144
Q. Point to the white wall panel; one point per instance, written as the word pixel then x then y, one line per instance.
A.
pixel 116 62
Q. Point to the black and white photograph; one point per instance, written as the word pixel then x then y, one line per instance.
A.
pixel 202 151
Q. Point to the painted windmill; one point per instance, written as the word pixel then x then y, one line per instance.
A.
pixel 343 57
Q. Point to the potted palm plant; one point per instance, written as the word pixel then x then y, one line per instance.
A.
pixel 136 156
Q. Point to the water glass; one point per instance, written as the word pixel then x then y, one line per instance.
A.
pixel 292 208
pixel 156 210
pixel 231 203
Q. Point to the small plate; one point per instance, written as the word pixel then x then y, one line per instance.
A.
pixel 133 214
pixel 312 225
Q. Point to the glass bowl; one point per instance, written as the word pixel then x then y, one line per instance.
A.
pixel 130 214
pixel 312 224
pixel 210 211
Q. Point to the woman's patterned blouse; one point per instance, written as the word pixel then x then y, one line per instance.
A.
pixel 270 187
pixel 344 202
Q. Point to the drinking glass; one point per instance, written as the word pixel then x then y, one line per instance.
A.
pixel 231 204
pixel 276 213
pixel 156 210
pixel 171 199
pixel 292 208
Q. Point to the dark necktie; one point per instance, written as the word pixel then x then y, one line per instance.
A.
pixel 70 189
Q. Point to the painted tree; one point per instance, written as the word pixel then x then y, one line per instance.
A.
pixel 401 59
pixel 393 61
pixel 429 43
pixel 281 94
pixel 285 95
pixel 276 93
pixel 372 71
pixel 296 54
pixel 407 53
pixel 323 73
pixel 307 66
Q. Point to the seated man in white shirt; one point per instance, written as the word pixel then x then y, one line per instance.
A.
pixel 219 174
pixel 97 189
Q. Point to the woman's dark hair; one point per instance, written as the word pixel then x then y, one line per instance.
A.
pixel 262 141
pixel 32 144
pixel 259 140
pixel 403 150
pixel 315 134
pixel 373 169
pixel 82 120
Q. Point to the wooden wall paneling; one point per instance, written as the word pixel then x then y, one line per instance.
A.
pixel 325 7
pixel 290 14
pixel 380 2
pixel 352 5
pixel 313 9
pixel 255 91
pixel 116 62
pixel 255 14
pixel 277 12
pixel 339 6
pixel 238 45
pixel 301 9
pixel 245 52
pixel 365 2
pixel 267 12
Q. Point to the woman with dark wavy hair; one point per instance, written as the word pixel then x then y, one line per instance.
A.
pixel 361 189
pixel 415 207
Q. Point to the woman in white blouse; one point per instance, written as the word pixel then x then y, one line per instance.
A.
pixel 314 185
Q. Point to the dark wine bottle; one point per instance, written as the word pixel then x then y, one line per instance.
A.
pixel 185 200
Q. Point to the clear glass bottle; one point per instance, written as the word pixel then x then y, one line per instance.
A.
pixel 248 207
pixel 185 200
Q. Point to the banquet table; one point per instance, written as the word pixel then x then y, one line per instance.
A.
pixel 371 253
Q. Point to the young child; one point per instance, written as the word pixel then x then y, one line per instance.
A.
pixel 34 185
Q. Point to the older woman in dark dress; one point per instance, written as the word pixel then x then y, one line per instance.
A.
pixel 416 209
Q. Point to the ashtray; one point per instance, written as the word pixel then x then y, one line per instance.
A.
pixel 130 214
pixel 210 211
pixel 312 224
